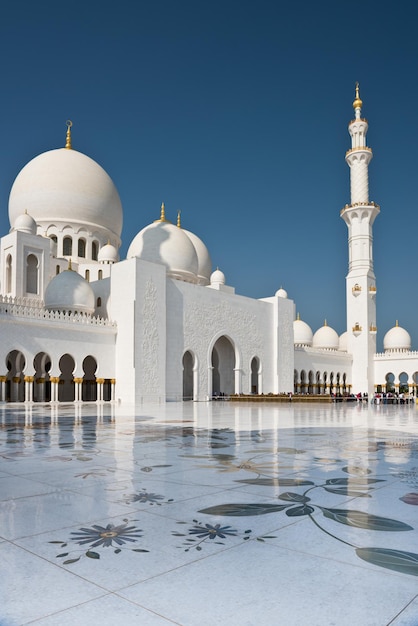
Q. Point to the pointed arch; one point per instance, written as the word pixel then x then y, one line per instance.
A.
pixel 223 361
pixel 188 375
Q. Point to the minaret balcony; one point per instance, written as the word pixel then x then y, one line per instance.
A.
pixel 372 290
pixel 359 149
pixel 356 290
pixel 357 329
pixel 373 329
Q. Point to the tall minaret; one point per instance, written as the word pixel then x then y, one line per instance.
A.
pixel 360 282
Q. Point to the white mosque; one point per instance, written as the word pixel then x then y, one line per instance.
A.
pixel 79 324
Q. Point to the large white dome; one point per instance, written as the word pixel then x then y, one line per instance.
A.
pixel 64 186
pixel 68 291
pixel 397 339
pixel 204 261
pixel 326 338
pixel 162 242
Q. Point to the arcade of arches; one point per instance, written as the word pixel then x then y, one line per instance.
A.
pixel 336 383
pixel 16 386
pixel 225 374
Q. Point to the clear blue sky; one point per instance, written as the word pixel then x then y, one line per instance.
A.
pixel 235 113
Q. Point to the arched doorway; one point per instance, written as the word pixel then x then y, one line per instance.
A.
pixel 223 364
pixel 66 384
pixel 390 383
pixel 188 363
pixel 42 387
pixel 255 373
pixel 403 383
pixel 15 386
pixel 89 387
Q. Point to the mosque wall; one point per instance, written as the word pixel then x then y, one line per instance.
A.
pixel 138 306
pixel 31 337
pixel 326 366
pixel 397 365
pixel 197 317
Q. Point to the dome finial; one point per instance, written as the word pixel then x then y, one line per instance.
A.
pixel 178 219
pixel 357 104
pixel 70 267
pixel 162 215
pixel 397 323
pixel 68 144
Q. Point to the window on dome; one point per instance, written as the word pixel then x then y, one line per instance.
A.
pixel 67 246
pixel 31 274
pixel 82 248
pixel 99 302
pixel 57 269
pixel 94 250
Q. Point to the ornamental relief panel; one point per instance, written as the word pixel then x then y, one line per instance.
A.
pixel 150 340
pixel 201 324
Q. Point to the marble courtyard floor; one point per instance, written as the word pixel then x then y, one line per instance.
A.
pixel 202 514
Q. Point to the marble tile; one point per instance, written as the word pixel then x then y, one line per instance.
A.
pixel 260 584
pixel 32 588
pixel 236 514
pixel 105 611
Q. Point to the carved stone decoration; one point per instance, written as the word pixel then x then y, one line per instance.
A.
pixel 203 323
pixel 150 341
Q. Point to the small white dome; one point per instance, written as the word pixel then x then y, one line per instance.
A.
pixel 162 242
pixel 397 339
pixel 302 333
pixel 326 337
pixel 68 291
pixel 217 277
pixel 343 342
pixel 281 293
pixel 204 261
pixel 25 224
pixel 108 254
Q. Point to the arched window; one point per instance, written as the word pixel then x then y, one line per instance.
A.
pixel 87 275
pixel 54 238
pixel 99 302
pixel 9 273
pixel 57 269
pixel 94 250
pixel 82 248
pixel 31 274
pixel 100 276
pixel 67 246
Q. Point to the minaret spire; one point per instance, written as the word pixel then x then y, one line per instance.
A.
pixel 357 104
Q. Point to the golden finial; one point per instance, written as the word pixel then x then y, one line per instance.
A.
pixel 298 317
pixel 178 219
pixel 70 267
pixel 357 104
pixel 162 215
pixel 68 141
pixel 325 323
pixel 397 324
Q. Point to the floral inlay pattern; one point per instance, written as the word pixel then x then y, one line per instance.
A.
pixel 283 474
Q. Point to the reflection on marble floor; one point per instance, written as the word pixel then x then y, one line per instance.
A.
pixel 203 514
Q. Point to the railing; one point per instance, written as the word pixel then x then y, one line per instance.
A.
pixel 30 308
